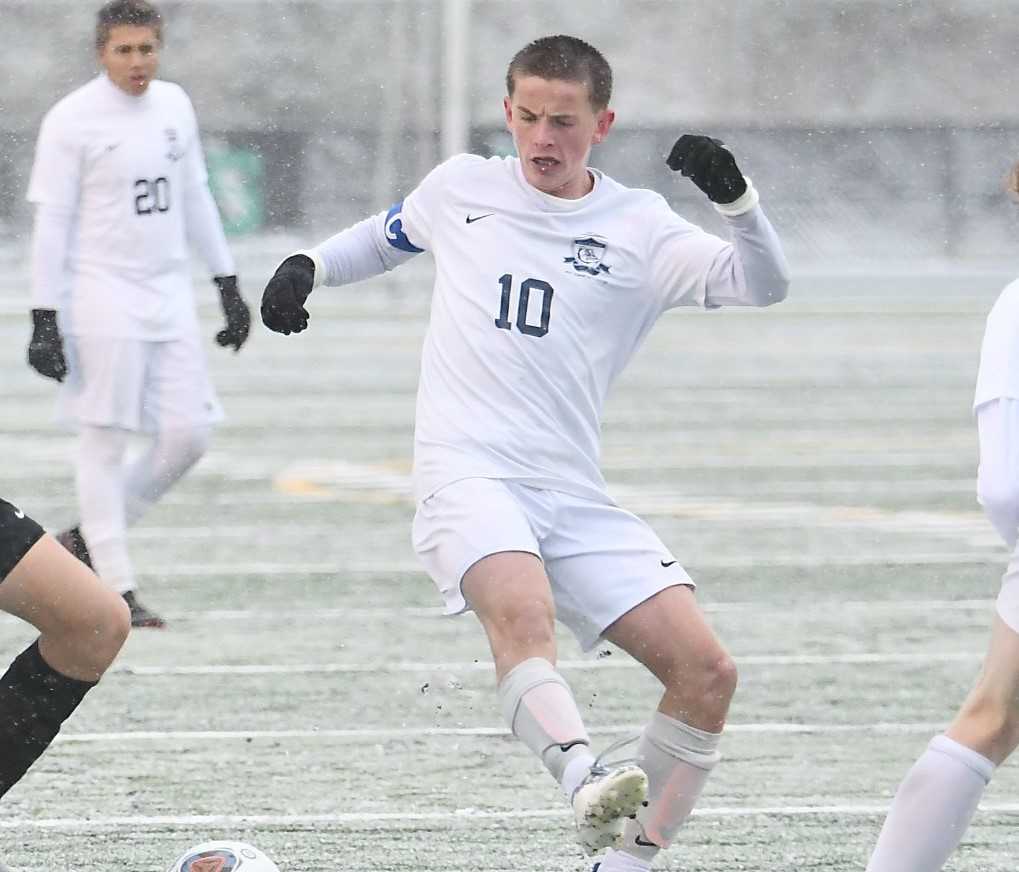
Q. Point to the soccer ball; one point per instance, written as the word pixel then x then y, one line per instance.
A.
pixel 223 857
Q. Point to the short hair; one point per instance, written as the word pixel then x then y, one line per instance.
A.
pixel 134 13
pixel 567 58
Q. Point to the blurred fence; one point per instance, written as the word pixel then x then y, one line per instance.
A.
pixel 840 193
pixel 873 129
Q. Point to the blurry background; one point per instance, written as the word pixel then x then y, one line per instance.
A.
pixel 875 129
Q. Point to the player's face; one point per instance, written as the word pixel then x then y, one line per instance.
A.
pixel 131 56
pixel 554 126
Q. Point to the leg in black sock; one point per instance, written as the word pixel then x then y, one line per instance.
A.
pixel 35 700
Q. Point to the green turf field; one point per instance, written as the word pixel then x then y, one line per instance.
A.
pixel 812 465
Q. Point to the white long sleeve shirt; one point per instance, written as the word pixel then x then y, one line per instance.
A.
pixel 539 303
pixel 120 187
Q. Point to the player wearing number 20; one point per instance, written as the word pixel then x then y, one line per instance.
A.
pixel 120 189
pixel 549 276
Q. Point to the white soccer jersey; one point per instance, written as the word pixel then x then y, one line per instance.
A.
pixel 998 375
pixel 539 303
pixel 127 178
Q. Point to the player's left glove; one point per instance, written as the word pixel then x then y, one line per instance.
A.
pixel 709 165
pixel 238 315
pixel 284 297
pixel 46 348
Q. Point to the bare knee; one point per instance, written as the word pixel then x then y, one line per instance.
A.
pixel 523 623
pixel 84 641
pixel 700 689
pixel 718 679
pixel 112 627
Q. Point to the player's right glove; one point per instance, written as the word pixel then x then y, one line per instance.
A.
pixel 284 297
pixel 46 348
pixel 238 316
pixel 709 165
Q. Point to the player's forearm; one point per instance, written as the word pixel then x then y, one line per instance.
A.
pixel 357 253
pixel 753 272
pixel 205 231
pixel 50 242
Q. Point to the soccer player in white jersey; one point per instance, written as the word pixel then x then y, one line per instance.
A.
pixel 937 798
pixel 549 276
pixel 120 189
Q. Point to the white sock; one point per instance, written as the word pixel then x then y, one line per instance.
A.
pixel 99 475
pixel 575 770
pixel 677 759
pixel 170 454
pixel 539 707
pixel 932 808
pixel 620 861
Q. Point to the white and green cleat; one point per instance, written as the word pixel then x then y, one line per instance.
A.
pixel 605 800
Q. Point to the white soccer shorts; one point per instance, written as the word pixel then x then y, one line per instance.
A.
pixel 600 559
pixel 136 384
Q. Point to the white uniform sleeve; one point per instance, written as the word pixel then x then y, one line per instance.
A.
pixel 693 268
pixel 201 217
pixel 50 244
pixel 54 187
pixel 56 170
pixel 385 240
pixel 998 477
pixel 361 251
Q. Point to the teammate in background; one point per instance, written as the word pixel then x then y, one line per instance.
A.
pixel 549 276
pixel 120 188
pixel 937 798
pixel 82 625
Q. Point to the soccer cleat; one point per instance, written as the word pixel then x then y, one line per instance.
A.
pixel 606 798
pixel 74 542
pixel 141 616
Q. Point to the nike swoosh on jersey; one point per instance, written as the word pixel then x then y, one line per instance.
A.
pixel 112 147
pixel 668 564
pixel 471 220
pixel 19 514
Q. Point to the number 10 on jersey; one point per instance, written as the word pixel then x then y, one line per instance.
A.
pixel 526 287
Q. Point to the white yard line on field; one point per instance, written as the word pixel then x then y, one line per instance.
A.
pixel 603 663
pixel 460 814
pixel 415 733
pixel 742 561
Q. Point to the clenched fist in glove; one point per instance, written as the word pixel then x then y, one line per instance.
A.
pixel 46 348
pixel 238 315
pixel 709 165
pixel 284 297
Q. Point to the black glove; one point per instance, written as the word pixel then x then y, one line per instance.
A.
pixel 238 315
pixel 284 297
pixel 46 348
pixel 709 165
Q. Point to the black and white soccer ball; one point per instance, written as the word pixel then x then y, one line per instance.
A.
pixel 223 857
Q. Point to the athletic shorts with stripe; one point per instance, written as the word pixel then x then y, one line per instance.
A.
pixel 18 533
pixel 600 559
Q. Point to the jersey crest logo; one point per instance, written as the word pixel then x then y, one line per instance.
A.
pixel 394 230
pixel 588 253
pixel 173 151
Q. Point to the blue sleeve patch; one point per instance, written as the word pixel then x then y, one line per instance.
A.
pixel 394 230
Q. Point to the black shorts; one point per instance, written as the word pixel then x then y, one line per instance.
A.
pixel 18 533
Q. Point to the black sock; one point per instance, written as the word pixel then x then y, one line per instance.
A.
pixel 35 700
